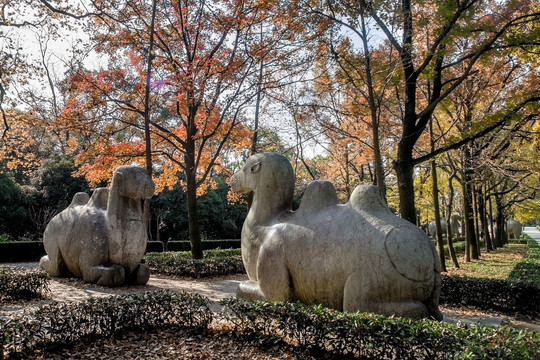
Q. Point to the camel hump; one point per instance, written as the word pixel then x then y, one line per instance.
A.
pixel 79 199
pixel 368 198
pixel 99 198
pixel 318 195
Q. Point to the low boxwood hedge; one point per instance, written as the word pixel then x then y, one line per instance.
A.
pixel 528 269
pixel 18 251
pixel 491 294
pixel 359 335
pixel 185 245
pixel 214 263
pixel 62 324
pixel 22 284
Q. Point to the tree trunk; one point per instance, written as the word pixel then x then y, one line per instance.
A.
pixel 470 237
pixel 492 225
pixel 147 140
pixel 475 215
pixel 466 184
pixel 500 237
pixel 483 219
pixel 438 231
pixel 404 167
pixel 193 214
pixel 448 218
pixel 191 185
pixel 373 108
pixel 435 190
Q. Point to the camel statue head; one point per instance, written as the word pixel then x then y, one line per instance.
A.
pixel 268 175
pixel 132 182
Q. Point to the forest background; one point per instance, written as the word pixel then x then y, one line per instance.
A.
pixel 436 103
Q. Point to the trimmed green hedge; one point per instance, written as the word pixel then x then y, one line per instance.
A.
pixel 22 284
pixel 528 269
pixel 214 263
pixel 61 323
pixel 519 294
pixel 335 334
pixel 205 244
pixel 154 246
pixel 491 294
pixel 18 251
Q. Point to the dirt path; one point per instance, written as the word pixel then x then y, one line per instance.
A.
pixel 71 289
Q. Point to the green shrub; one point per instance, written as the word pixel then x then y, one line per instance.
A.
pixel 18 251
pixel 214 263
pixel 335 334
pixel 491 294
pixel 22 284
pixel 154 246
pixel 185 245
pixel 528 269
pixel 61 323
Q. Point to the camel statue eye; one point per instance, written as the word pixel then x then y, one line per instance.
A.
pixel 256 167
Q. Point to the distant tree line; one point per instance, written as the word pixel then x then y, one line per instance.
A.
pixel 29 201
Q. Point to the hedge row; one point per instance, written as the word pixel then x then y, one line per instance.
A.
pixel 491 294
pixel 336 335
pixel 19 251
pixel 61 324
pixel 205 244
pixel 528 269
pixel 22 284
pixel 215 263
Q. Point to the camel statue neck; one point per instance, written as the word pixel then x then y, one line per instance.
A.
pixel 267 206
pixel 120 208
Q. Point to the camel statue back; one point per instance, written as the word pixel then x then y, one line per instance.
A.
pixel 356 256
pixel 102 238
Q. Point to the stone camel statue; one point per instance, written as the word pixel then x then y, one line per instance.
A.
pixel 356 256
pixel 513 228
pixel 454 226
pixel 103 238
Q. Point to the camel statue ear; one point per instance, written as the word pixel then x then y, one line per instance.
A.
pixel 119 179
pixel 256 167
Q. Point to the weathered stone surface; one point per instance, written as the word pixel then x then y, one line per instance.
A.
pixel 353 256
pixel 102 239
pixel 513 228
pixel 454 226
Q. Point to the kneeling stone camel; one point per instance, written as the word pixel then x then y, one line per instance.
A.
pixel 103 238
pixel 356 256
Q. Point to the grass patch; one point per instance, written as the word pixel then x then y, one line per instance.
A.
pixel 497 264
pixel 528 269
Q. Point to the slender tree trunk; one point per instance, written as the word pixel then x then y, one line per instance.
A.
pixel 373 108
pixel 435 188
pixel 499 221
pixel 255 139
pixel 147 139
pixel 404 168
pixel 475 215
pixel 466 183
pixel 191 184
pixel 193 210
pixel 436 212
pixel 492 225
pixel 449 234
pixel 470 237
pixel 483 219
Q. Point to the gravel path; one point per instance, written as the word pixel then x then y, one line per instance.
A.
pixel 72 289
